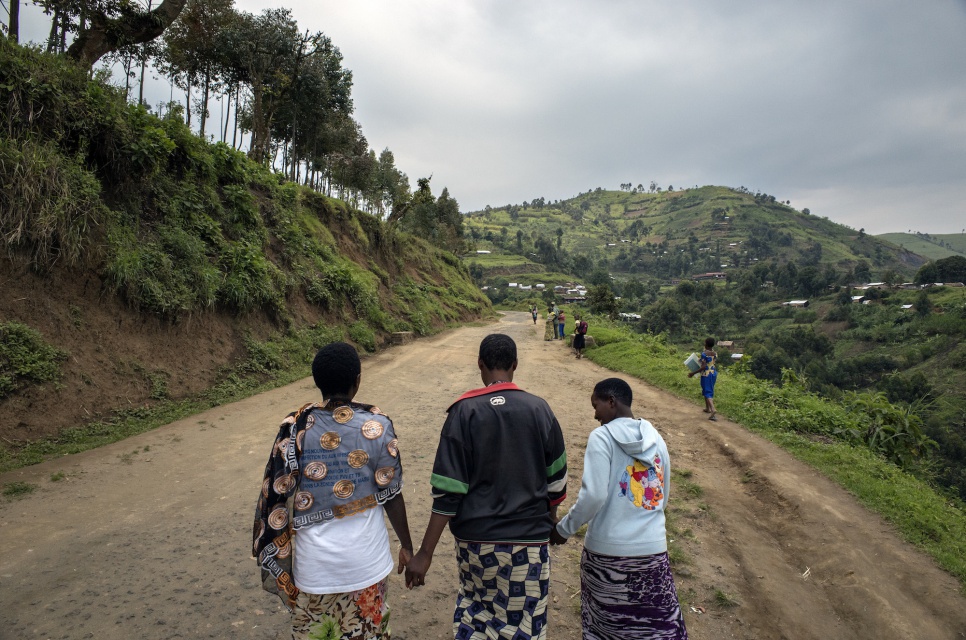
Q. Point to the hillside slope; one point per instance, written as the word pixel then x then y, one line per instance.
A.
pixel 143 264
pixel 677 233
pixel 932 246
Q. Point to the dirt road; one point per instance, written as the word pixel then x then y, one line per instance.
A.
pixel 150 537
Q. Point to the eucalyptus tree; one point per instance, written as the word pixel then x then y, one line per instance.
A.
pixel 391 185
pixel 270 55
pixel 320 96
pixel 194 53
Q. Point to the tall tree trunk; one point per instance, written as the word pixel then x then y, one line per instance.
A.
pixel 53 37
pixel 13 31
pixel 224 131
pixel 187 106
pixel 62 47
pixel 234 124
pixel 261 134
pixel 104 34
pixel 204 105
pixel 144 64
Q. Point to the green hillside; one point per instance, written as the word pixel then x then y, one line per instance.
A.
pixel 932 246
pixel 145 268
pixel 678 233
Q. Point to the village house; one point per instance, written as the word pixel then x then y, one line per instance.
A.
pixel 711 275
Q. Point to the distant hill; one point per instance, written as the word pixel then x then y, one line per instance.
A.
pixel 932 246
pixel 679 233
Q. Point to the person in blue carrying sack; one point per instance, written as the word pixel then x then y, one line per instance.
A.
pixel 627 591
pixel 709 375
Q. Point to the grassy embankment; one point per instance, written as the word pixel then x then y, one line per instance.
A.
pixel 808 427
pixel 174 226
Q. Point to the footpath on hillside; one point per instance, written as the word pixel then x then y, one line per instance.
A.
pixel 150 537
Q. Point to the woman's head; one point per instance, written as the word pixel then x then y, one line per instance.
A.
pixel 611 399
pixel 337 370
pixel 708 343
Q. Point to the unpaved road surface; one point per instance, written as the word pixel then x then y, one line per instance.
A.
pixel 150 537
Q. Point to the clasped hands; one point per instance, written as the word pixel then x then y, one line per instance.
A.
pixel 416 566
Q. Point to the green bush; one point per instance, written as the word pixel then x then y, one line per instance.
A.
pixel 25 358
pixel 362 335
pixel 50 204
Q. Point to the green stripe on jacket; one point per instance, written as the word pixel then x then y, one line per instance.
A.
pixel 558 464
pixel 448 485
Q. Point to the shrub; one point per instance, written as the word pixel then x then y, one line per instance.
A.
pixel 49 203
pixel 25 358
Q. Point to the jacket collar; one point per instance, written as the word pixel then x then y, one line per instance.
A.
pixel 493 388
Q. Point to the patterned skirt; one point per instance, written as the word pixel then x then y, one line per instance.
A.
pixel 361 614
pixel 629 598
pixel 550 332
pixel 503 592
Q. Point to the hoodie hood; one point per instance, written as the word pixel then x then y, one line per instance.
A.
pixel 636 437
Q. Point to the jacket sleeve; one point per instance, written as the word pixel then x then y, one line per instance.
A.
pixel 556 458
pixel 593 486
pixel 451 470
pixel 268 497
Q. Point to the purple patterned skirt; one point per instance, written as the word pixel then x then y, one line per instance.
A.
pixel 629 598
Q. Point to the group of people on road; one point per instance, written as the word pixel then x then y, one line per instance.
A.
pixel 556 327
pixel 498 479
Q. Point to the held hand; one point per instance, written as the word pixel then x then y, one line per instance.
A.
pixel 405 555
pixel 417 568
pixel 556 538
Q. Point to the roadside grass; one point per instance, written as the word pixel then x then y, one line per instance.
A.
pixel 17 490
pixel 809 428
pixel 724 599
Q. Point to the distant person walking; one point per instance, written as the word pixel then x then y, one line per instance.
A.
pixel 499 474
pixel 561 321
pixel 627 591
pixel 580 341
pixel 533 312
pixel 709 375
pixel 320 537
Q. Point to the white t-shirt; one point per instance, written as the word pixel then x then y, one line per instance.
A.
pixel 344 554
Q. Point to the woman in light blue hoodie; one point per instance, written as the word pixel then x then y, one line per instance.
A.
pixel 627 590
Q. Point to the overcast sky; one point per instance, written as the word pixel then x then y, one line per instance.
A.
pixel 856 110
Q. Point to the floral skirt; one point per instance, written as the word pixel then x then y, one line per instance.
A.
pixel 362 614
pixel 503 592
pixel 629 598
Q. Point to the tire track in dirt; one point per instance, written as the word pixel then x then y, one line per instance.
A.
pixel 150 537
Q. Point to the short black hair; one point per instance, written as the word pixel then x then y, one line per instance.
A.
pixel 335 368
pixel 614 388
pixel 498 351
pixel 709 343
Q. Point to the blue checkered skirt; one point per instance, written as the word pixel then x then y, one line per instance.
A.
pixel 503 591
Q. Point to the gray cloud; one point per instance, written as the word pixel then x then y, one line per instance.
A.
pixel 856 110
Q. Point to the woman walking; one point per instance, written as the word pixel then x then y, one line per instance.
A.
pixel 627 591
